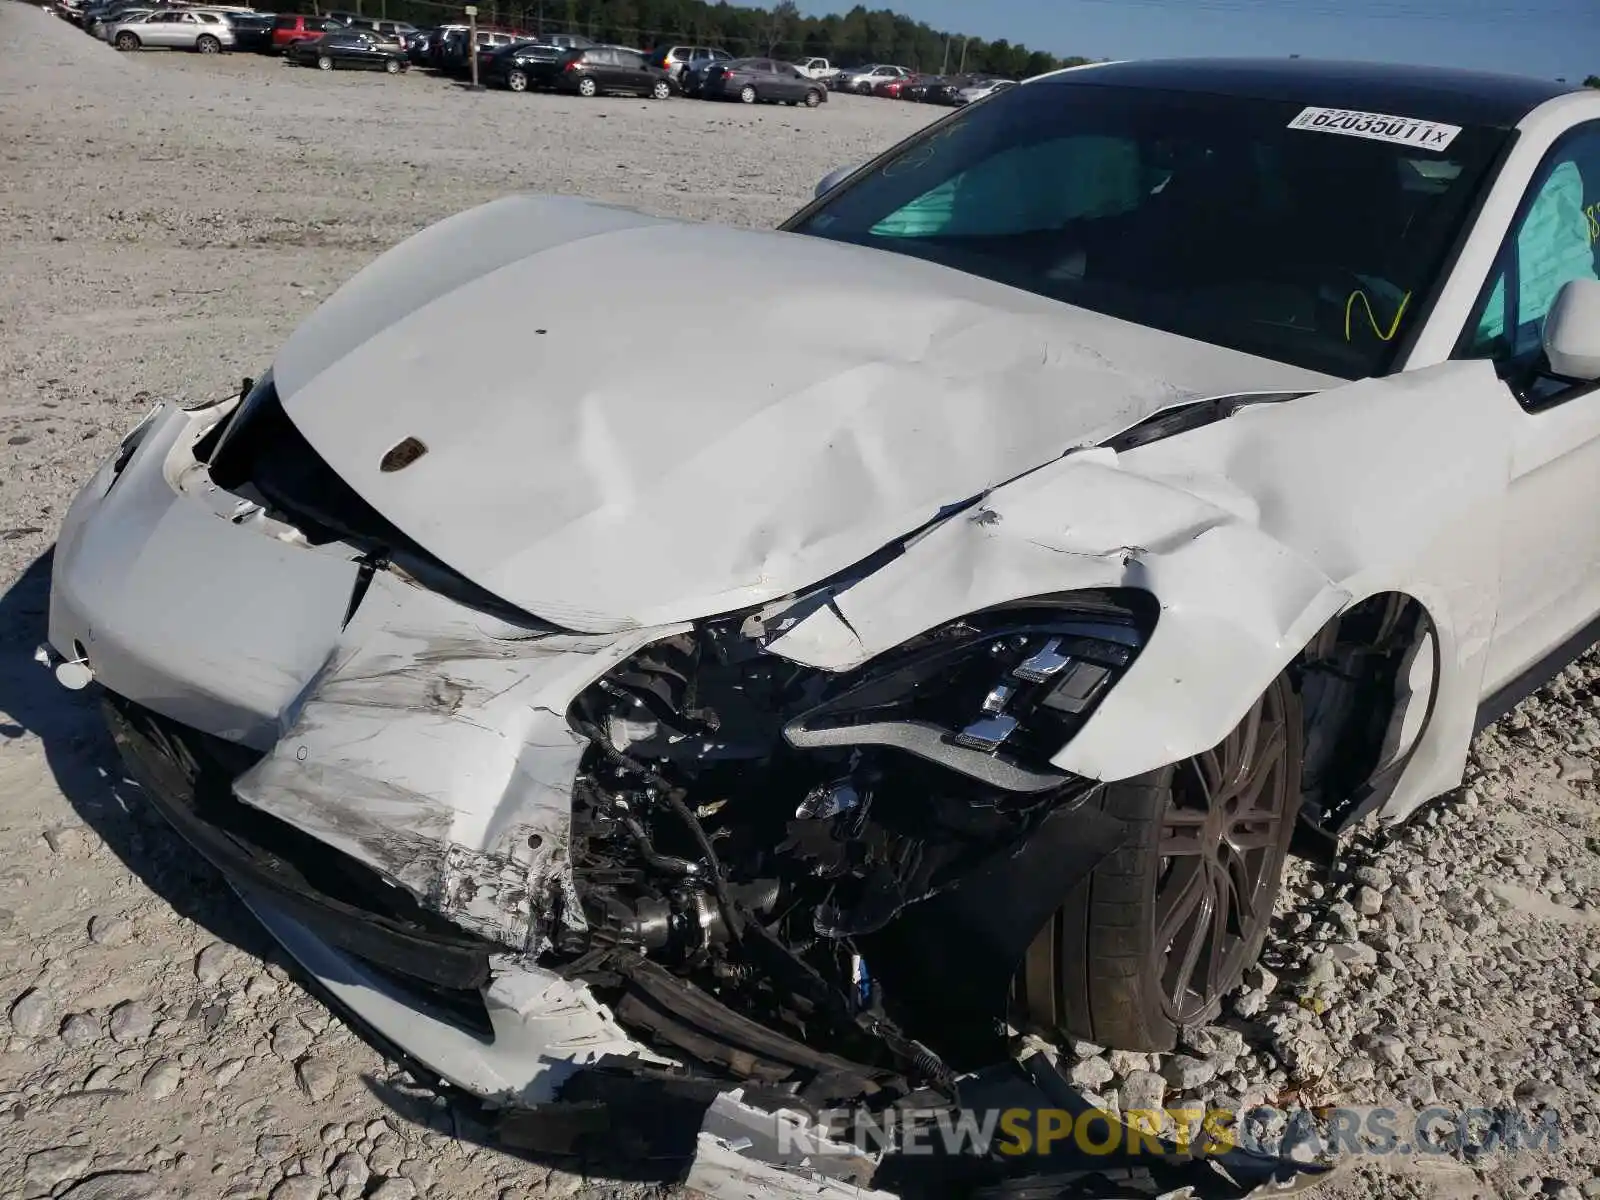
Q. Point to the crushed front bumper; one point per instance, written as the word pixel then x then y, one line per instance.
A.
pixel 384 776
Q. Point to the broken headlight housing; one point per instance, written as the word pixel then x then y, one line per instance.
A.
pixel 995 695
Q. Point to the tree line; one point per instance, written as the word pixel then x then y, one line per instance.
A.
pixel 848 39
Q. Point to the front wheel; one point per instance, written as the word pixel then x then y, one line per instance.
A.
pixel 324 63
pixel 662 90
pixel 747 94
pixel 1162 930
pixel 391 66
pixel 206 44
pixel 517 81
pixel 813 98
pixel 587 86
pixel 127 41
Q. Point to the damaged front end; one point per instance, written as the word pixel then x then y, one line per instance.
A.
pixel 856 860
pixel 553 868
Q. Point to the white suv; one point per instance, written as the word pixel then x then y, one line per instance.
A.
pixel 867 78
pixel 179 29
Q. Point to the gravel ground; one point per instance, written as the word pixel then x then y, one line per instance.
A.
pixel 164 221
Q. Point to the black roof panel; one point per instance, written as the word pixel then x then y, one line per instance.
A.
pixel 1428 93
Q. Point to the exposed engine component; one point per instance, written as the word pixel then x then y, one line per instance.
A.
pixel 753 826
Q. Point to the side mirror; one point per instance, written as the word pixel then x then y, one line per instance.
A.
pixel 1572 331
pixel 832 179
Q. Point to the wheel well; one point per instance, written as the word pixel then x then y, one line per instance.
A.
pixel 1366 684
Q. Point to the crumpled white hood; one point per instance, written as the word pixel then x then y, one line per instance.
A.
pixel 632 421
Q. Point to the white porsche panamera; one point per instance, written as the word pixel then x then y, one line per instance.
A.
pixel 1113 481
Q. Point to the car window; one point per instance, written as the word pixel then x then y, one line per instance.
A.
pixel 1217 218
pixel 1556 239
pixel 628 59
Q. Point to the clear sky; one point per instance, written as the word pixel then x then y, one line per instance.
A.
pixel 1548 38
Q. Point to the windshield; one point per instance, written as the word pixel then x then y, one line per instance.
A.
pixel 1207 216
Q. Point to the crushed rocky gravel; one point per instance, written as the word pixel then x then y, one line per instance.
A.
pixel 165 220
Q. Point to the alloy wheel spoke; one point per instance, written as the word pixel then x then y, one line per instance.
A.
pixel 1222 909
pixel 1255 780
pixel 1178 900
pixel 1197 937
pixel 1240 888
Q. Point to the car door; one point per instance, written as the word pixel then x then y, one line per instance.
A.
pixel 1550 562
pixel 600 64
pixel 768 82
pixel 792 84
pixel 630 73
pixel 623 77
pixel 185 30
pixel 160 29
pixel 345 50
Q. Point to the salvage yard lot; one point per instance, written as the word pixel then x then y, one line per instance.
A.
pixel 165 220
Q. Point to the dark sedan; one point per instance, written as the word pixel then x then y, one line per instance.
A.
pixel 528 65
pixel 611 69
pixel 750 80
pixel 252 31
pixel 350 48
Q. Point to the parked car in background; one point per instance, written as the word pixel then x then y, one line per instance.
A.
pixel 101 25
pixel 524 66
pixel 99 15
pixel 419 44
pixel 753 80
pixel 920 89
pixel 173 29
pixel 866 78
pixel 288 29
pixel 691 81
pixel 399 32
pixel 983 89
pixel 252 31
pixel 452 57
pixel 677 60
pixel 604 69
pixel 356 49
pixel 816 68
pixel 892 88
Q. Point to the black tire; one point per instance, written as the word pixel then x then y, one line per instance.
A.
pixel 206 44
pixel 391 66
pixel 587 87
pixel 1100 970
pixel 661 91
pixel 127 41
pixel 517 81
pixel 324 63
pixel 747 94
pixel 813 98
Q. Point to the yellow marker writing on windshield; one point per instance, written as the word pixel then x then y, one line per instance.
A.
pixel 1372 319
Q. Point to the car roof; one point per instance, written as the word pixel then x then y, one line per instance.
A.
pixel 1429 93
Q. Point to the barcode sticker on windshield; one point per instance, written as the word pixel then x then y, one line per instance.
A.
pixel 1380 127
